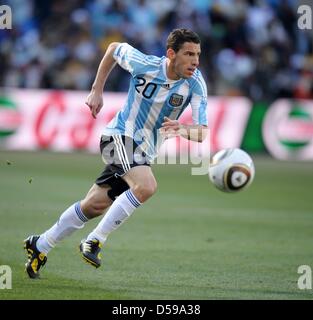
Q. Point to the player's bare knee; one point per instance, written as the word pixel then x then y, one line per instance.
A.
pixel 144 191
pixel 152 188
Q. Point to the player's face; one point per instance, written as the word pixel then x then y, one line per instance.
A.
pixel 186 60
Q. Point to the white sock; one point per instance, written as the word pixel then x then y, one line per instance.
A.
pixel 119 212
pixel 70 220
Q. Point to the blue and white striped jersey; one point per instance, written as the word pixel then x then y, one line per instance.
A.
pixel 152 96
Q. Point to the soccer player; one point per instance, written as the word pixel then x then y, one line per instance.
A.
pixel 160 89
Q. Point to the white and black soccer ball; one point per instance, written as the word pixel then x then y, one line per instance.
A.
pixel 231 170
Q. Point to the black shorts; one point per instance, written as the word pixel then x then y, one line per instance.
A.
pixel 120 154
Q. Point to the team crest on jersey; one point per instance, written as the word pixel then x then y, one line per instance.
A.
pixel 176 100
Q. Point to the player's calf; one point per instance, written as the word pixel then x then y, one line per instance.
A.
pixel 96 202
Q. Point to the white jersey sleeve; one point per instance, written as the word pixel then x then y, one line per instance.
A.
pixel 199 101
pixel 133 60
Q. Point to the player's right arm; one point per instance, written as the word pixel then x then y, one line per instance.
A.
pixel 94 100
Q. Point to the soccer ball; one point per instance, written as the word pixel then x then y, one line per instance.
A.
pixel 231 170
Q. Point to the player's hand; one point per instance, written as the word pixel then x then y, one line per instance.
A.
pixel 169 124
pixel 170 128
pixel 95 102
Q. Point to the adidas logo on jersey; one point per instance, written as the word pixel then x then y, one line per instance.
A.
pixel 166 86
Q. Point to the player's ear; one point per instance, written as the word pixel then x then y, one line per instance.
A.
pixel 170 53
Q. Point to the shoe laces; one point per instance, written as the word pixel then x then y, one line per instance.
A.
pixel 91 246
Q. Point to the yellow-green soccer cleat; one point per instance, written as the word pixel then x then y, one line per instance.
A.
pixel 36 259
pixel 90 250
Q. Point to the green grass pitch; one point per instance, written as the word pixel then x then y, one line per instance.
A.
pixel 190 241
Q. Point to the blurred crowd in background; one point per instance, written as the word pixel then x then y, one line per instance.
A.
pixel 249 47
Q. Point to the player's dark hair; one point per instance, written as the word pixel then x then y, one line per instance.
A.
pixel 178 37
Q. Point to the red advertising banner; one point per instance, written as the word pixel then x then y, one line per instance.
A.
pixel 60 121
